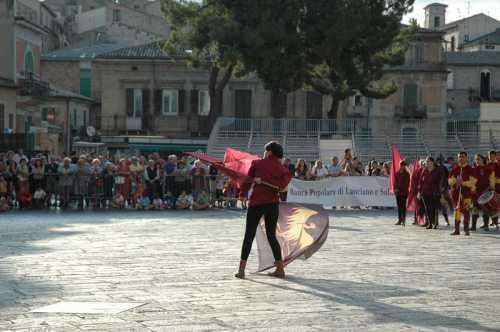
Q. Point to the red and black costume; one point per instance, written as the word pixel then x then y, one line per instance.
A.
pixel 429 189
pixel 401 190
pixel 485 176
pixel 264 201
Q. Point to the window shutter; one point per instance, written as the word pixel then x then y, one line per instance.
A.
pixel 410 95
pixel 130 102
pixel 182 101
pixel 158 101
pixel 195 101
pixel 145 108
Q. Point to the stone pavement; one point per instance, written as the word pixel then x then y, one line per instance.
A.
pixel 369 276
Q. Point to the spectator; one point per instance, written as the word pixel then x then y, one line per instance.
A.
pixel 318 171
pixel 198 175
pixel 108 180
pixel 301 169
pixel 201 202
pixel 335 169
pixel 151 177
pixel 37 175
pixel 183 202
pixel 65 172
pixel 347 160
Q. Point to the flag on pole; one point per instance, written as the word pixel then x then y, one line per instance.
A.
pixel 396 159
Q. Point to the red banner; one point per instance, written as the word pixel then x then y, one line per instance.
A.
pixel 396 159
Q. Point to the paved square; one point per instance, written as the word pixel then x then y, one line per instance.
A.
pixel 369 276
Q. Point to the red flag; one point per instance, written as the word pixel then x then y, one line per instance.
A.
pixel 236 165
pixel 412 195
pixel 238 161
pixel 413 204
pixel 396 159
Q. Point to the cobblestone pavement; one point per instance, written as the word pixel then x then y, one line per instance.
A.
pixel 369 276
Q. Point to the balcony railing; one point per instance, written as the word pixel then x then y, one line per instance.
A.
pixel 31 85
pixel 410 112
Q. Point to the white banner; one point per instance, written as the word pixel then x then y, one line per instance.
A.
pixel 342 191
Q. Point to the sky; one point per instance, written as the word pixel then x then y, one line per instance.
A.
pixel 457 9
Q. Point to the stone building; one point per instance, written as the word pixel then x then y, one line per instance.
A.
pixel 474 77
pixel 143 91
pixel 126 22
pixel 489 42
pixel 421 97
pixel 30 28
pixel 460 32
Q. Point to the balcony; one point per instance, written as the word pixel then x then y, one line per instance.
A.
pixel 410 112
pixel 33 86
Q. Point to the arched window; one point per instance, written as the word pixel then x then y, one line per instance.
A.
pixel 485 90
pixel 29 62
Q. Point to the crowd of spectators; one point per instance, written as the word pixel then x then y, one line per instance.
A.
pixel 144 182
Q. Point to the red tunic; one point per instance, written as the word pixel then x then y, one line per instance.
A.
pixel 496 169
pixel 270 170
pixel 402 183
pixel 485 176
pixel 429 182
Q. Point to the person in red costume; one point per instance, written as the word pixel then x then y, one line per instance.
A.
pixel 494 163
pixel 269 178
pixel 401 189
pixel 463 188
pixel 428 189
pixel 485 175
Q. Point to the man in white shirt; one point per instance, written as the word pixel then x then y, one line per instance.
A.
pixel 335 169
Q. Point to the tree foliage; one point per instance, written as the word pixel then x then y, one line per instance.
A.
pixel 205 32
pixel 336 47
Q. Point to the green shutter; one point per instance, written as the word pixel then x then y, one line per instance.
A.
pixel 410 95
pixel 85 82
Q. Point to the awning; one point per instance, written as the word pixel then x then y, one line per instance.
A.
pixel 168 147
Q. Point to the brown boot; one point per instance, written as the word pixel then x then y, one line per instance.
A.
pixel 241 270
pixel 280 270
pixel 457 228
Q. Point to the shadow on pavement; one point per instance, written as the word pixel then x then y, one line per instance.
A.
pixel 369 296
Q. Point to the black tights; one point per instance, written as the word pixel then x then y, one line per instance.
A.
pixel 401 201
pixel 254 214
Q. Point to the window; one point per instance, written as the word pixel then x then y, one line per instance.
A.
pixel 358 101
pixel 437 21
pixel 419 54
pixel 170 100
pixel 485 90
pixel 314 105
pixel 85 83
pixel 74 119
pixel 117 15
pixel 45 114
pixel 11 121
pixel 453 42
pixel 137 103
pixel 243 103
pixel 85 119
pixel 410 95
pixel 450 82
pixel 466 38
pixel 28 62
pixel 204 103
pixel 2 118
